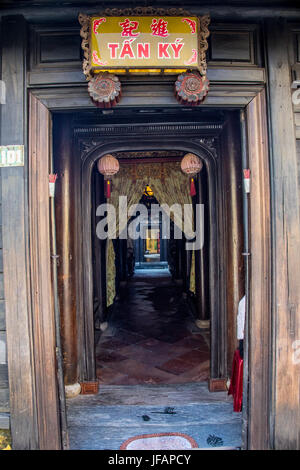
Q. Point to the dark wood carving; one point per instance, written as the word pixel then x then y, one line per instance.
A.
pixel 191 88
pixel 105 90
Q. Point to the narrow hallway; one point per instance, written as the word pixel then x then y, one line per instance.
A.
pixel 152 337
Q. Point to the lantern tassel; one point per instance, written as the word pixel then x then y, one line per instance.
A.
pixel 192 187
pixel 107 189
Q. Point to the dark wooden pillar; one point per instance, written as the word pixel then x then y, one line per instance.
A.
pixel 233 229
pixel 201 265
pixel 66 193
pixel 99 299
pixel 286 239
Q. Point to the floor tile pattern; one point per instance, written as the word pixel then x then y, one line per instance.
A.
pixel 152 338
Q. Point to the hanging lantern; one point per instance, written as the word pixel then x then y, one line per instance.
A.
pixel 191 165
pixel 148 191
pixel 108 166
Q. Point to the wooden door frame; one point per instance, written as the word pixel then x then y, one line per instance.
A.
pixel 45 402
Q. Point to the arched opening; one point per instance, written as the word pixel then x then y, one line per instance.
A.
pixel 217 361
pixel 150 312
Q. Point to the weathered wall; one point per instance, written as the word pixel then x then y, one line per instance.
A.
pixel 4 394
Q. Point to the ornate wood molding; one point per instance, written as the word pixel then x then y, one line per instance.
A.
pixel 187 128
pixel 146 11
pixel 91 137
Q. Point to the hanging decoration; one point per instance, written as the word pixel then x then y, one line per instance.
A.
pixel 108 166
pixel 52 180
pixel 191 88
pixel 105 90
pixel 191 165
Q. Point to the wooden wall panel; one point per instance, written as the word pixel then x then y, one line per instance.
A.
pixel 15 241
pixel 56 57
pixel 286 240
pixel 298 164
pixel 233 45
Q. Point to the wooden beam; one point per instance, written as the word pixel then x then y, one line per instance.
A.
pixel 286 240
pixel 162 94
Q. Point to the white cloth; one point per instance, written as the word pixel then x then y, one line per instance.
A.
pixel 241 318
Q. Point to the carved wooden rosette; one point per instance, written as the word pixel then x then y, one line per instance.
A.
pixel 105 90
pixel 191 88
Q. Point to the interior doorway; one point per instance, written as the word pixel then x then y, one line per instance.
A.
pixel 190 286
pixel 151 336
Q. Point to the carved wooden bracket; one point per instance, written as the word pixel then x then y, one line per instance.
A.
pixel 105 90
pixel 191 88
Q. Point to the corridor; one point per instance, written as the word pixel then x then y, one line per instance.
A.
pixel 152 337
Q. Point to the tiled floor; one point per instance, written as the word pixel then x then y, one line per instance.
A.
pixel 152 338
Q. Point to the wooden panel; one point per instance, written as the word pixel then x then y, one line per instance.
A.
pixel 55 47
pixel 15 247
pixel 295 44
pixel 4 400
pixel 233 45
pixel 298 161
pixel 297 125
pixel 42 302
pixel 230 47
pixel 286 235
pixel 4 420
pixel 3 376
pixel 298 47
pixel 3 358
pixel 1 286
pixel 59 47
pixel 2 315
pixel 259 320
pixel 55 55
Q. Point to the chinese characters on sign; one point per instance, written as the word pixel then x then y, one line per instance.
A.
pixel 156 43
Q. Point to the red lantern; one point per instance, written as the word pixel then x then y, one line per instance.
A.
pixel 191 165
pixel 108 166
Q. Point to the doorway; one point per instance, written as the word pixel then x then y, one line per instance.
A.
pixel 259 231
pixel 205 355
pixel 151 334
